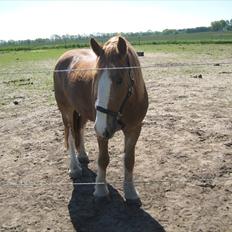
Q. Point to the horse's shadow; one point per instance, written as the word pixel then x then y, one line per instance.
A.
pixel 114 215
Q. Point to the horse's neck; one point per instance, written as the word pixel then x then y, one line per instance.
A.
pixel 139 87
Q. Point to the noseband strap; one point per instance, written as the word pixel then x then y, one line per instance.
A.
pixel 106 111
pixel 118 114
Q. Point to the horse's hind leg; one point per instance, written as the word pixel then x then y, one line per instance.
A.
pixel 74 167
pixel 66 131
pixel 131 138
pixel 79 126
pixel 82 155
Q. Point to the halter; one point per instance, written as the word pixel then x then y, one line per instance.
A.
pixel 118 115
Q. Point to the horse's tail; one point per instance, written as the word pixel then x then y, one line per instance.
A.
pixel 77 128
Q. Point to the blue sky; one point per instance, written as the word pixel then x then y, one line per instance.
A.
pixel 41 19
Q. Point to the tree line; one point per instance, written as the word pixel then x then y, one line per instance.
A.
pixel 69 41
pixel 216 26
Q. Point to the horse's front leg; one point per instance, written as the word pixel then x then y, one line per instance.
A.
pixel 131 138
pixel 101 189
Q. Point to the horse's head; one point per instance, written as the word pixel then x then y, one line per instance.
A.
pixel 112 86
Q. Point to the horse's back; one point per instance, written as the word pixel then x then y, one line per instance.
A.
pixel 73 80
pixel 75 59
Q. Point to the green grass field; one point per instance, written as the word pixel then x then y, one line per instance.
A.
pixel 44 60
pixel 28 74
pixel 20 58
pixel 143 39
pixel 7 57
pixel 184 38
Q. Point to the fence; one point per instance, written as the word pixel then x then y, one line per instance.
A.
pixel 205 182
pixel 160 65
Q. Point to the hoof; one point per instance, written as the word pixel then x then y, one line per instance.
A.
pixel 83 159
pixel 76 173
pixel 134 203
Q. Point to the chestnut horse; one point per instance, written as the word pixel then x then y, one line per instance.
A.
pixel 90 85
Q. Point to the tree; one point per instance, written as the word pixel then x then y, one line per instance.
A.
pixel 218 25
pixel 169 32
pixel 55 37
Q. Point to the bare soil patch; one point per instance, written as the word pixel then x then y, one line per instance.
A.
pixel 183 167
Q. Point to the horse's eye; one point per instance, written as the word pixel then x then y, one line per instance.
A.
pixel 119 81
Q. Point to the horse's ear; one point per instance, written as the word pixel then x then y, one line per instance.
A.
pixel 98 50
pixel 122 47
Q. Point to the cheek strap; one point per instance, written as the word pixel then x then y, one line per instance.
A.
pixel 118 115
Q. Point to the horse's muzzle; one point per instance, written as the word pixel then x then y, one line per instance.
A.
pixel 108 134
pixel 107 128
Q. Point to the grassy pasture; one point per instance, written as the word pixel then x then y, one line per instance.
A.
pixel 17 58
pixel 31 71
pixel 184 38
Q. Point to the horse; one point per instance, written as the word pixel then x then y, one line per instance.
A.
pixel 103 84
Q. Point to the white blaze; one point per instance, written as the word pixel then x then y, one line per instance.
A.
pixel 103 96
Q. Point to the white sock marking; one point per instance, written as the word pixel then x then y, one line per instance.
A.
pixel 101 189
pixel 75 166
pixel 128 185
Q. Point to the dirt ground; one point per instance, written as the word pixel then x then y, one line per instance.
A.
pixel 183 168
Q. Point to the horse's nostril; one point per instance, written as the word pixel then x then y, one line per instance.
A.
pixel 106 134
